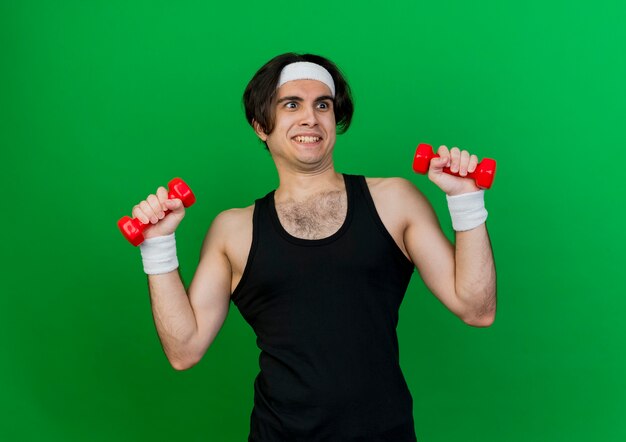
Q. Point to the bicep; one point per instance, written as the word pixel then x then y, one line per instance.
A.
pixel 430 250
pixel 209 292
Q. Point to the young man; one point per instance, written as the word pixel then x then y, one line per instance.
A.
pixel 319 267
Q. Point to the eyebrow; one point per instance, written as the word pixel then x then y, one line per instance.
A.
pixel 300 99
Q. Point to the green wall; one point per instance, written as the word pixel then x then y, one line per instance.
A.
pixel 103 101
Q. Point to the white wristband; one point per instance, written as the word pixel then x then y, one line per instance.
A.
pixel 159 254
pixel 467 210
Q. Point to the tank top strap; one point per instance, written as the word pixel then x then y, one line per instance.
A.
pixel 364 207
pixel 260 220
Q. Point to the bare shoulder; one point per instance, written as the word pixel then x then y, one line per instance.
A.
pixel 227 226
pixel 401 203
pixel 400 206
pixel 388 182
pixel 395 192
pixel 231 234
pixel 231 220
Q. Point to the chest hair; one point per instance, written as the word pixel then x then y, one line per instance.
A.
pixel 315 218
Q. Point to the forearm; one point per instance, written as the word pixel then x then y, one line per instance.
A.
pixel 475 275
pixel 173 315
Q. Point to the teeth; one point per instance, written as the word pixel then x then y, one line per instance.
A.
pixel 307 139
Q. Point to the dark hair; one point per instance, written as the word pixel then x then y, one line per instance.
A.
pixel 259 96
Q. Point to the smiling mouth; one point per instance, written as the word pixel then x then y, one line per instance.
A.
pixel 307 140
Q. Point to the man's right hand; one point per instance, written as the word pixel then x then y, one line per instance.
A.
pixel 152 211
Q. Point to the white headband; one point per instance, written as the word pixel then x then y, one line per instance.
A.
pixel 304 70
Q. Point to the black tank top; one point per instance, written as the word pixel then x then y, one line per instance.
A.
pixel 325 313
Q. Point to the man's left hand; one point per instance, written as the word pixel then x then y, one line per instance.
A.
pixel 458 161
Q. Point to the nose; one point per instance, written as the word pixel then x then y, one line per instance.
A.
pixel 309 117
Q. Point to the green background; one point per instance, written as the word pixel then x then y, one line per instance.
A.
pixel 101 102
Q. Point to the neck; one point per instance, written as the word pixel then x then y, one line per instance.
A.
pixel 301 185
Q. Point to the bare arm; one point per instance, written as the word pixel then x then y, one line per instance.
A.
pixel 173 315
pixel 461 276
pixel 476 276
pixel 188 321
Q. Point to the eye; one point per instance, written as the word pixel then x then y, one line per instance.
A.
pixel 323 105
pixel 291 105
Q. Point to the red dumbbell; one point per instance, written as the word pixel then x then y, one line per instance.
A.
pixel 483 175
pixel 133 229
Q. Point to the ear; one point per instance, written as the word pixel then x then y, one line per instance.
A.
pixel 259 131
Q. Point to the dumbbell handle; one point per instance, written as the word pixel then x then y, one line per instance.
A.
pixel 133 228
pixel 483 175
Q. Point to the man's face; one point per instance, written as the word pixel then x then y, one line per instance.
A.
pixel 305 129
